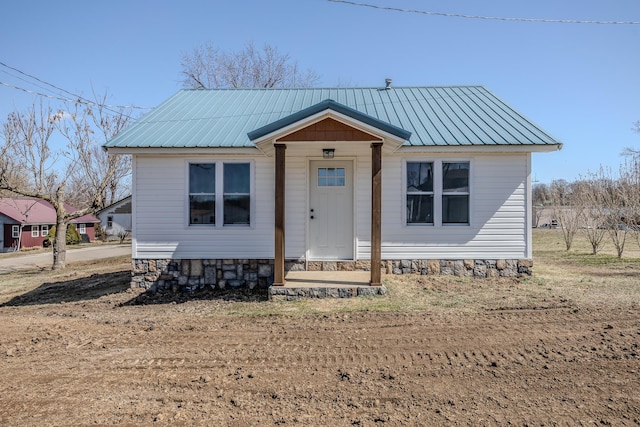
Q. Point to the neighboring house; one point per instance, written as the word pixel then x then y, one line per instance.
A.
pixel 234 187
pixel 116 218
pixel 26 223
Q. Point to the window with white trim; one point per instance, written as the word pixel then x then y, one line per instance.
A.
pixel 331 177
pixel 82 228
pixel 437 192
pixel 455 192
pixel 237 194
pixel 44 230
pixel 35 231
pixel 419 192
pixel 220 193
pixel 15 231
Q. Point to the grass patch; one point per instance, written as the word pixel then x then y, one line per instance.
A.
pixel 562 279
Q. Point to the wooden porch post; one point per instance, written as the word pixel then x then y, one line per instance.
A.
pixel 376 212
pixel 278 268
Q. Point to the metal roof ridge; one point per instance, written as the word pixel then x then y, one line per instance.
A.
pixel 380 88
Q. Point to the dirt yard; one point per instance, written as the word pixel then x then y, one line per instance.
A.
pixel 80 348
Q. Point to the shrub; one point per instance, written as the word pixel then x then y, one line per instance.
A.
pixel 73 237
pixel 100 233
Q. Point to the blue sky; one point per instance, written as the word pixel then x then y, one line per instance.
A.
pixel 579 82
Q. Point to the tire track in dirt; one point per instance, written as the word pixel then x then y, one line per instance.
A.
pixel 153 364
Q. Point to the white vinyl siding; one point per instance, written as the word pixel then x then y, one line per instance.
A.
pixel 498 214
pixel 498 223
pixel 160 207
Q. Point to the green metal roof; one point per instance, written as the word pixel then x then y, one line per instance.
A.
pixel 429 116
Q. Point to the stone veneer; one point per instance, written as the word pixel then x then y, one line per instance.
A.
pixel 191 275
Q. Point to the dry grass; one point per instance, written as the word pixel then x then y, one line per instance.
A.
pixel 574 279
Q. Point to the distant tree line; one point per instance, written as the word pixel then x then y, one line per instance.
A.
pixel 601 204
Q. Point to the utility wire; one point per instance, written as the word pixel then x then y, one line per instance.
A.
pixel 76 98
pixel 495 18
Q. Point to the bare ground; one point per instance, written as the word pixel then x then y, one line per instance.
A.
pixel 82 349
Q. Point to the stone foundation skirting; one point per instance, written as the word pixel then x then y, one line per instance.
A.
pixel 189 275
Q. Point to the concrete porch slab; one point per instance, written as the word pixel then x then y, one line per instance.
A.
pixel 325 284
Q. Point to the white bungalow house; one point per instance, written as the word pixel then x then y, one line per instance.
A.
pixel 115 219
pixel 235 187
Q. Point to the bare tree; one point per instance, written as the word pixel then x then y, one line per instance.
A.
pixel 85 128
pixel 633 152
pixel 589 194
pixel 27 140
pixel 207 67
pixel 566 210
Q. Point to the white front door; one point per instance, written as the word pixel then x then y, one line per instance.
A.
pixel 330 210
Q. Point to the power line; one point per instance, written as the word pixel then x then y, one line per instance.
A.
pixel 495 18
pixel 76 98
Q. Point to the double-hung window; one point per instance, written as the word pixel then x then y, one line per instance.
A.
pixel 237 194
pixel 202 193
pixel 15 231
pixel 419 192
pixel 437 192
pixel 35 231
pixel 44 230
pixel 220 193
pixel 455 192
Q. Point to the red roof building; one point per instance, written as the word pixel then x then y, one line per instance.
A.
pixel 25 223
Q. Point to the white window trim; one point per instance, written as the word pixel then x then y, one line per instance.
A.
pixel 82 228
pixel 44 230
pixel 35 230
pixel 219 193
pixel 406 193
pixel 15 231
pixel 437 191
pixel 456 193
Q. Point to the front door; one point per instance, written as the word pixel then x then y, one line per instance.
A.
pixel 331 210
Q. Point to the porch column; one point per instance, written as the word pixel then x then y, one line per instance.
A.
pixel 278 267
pixel 376 211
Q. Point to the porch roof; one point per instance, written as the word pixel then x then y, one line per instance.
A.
pixel 328 104
pixel 428 116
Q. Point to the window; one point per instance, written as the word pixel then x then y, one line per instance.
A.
pixel 109 221
pixel 202 193
pixel 220 193
pixel 455 192
pixel 237 194
pixel 437 192
pixel 419 193
pixel 35 231
pixel 15 231
pixel 44 230
pixel 82 228
pixel 331 177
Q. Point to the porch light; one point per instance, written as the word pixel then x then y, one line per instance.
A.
pixel 327 153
